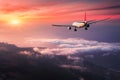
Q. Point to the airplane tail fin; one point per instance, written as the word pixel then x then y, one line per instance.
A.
pixel 85 17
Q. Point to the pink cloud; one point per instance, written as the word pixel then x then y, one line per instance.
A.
pixel 71 46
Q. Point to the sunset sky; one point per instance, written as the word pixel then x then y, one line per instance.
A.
pixel 23 21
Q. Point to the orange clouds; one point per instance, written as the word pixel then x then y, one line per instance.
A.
pixel 38 10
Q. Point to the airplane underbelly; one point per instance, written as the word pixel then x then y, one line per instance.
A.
pixel 79 25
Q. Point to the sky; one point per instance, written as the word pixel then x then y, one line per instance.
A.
pixel 23 21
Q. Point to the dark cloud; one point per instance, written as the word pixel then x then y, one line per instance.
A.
pixel 15 65
pixel 106 8
pixel 112 7
pixel 36 4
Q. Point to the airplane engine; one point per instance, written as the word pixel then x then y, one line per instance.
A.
pixel 69 28
pixel 88 25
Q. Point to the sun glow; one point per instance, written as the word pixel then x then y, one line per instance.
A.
pixel 15 22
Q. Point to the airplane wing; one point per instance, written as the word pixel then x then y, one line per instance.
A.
pixel 63 25
pixel 97 21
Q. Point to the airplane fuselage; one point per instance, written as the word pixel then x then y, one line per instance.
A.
pixel 79 24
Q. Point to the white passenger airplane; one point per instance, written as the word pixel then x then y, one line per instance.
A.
pixel 84 24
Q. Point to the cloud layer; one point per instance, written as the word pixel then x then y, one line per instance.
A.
pixel 73 45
